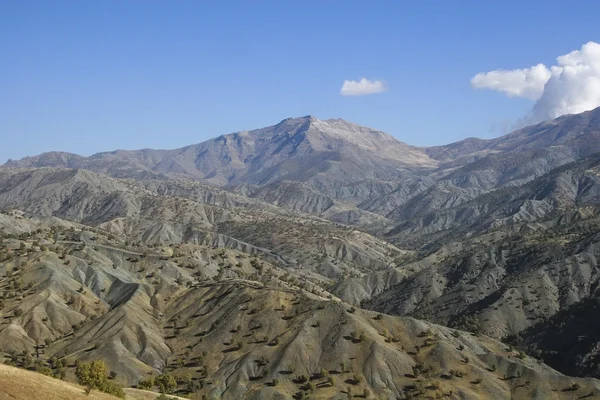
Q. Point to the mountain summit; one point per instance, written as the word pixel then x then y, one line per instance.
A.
pixel 295 148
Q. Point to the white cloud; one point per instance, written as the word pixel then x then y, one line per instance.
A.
pixel 362 87
pixel 571 86
pixel 528 82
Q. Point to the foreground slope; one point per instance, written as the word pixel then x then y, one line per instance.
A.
pixel 16 383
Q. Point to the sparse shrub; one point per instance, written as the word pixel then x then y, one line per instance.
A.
pixel 42 369
pixel 457 373
pixel 113 389
pixel 146 384
pixel 575 386
pixel 60 373
pixel 27 360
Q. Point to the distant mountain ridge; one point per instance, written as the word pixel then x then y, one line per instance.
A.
pixel 349 173
pixel 258 156
pixel 309 134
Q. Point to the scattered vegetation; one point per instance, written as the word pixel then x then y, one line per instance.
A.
pixel 94 376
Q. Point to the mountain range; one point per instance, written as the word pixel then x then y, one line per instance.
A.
pixel 277 254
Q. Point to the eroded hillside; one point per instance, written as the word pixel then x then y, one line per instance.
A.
pixel 231 325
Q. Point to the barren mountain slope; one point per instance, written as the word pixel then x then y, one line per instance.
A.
pixel 533 261
pixel 559 195
pixel 158 212
pixel 301 149
pixel 579 131
pixel 352 174
pixel 570 339
pixel 231 326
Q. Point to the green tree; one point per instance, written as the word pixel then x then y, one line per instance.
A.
pixel 91 375
pixel 94 375
pixel 165 383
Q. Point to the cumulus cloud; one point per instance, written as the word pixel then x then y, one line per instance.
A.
pixel 528 82
pixel 362 87
pixel 569 87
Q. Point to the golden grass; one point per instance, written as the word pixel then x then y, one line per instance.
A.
pixel 20 384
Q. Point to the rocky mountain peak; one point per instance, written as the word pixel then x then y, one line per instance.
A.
pixel 339 135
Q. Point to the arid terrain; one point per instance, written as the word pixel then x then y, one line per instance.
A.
pixel 310 259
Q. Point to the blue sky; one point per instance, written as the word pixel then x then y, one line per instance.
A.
pixel 89 76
